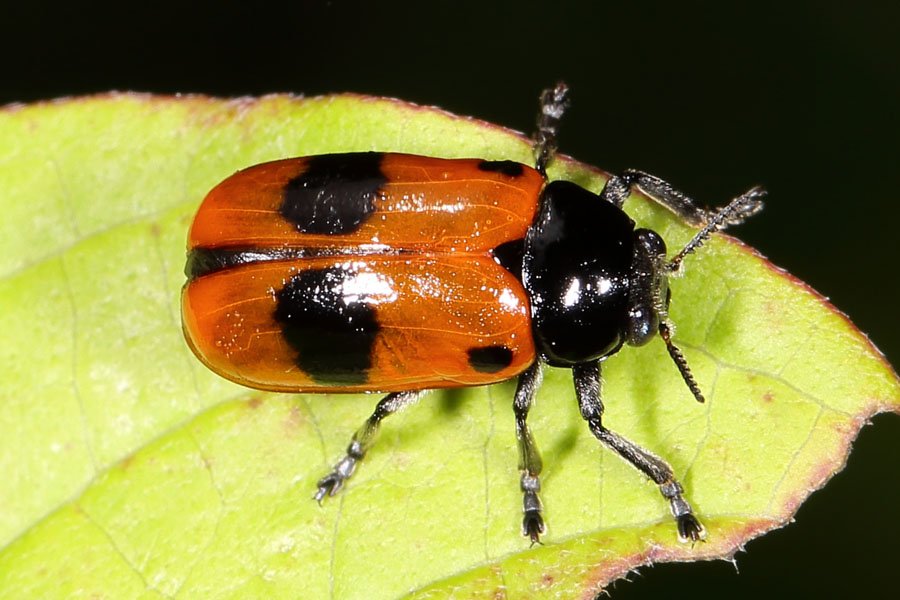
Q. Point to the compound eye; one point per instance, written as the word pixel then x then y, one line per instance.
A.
pixel 652 243
pixel 648 287
pixel 643 322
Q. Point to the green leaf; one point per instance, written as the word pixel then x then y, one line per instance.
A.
pixel 131 471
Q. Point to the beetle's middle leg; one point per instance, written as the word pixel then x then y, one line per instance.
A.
pixel 530 463
pixel 362 441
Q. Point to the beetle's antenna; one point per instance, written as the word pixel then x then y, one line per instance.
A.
pixel 675 352
pixel 735 212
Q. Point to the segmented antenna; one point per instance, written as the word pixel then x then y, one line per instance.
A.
pixel 735 212
pixel 675 352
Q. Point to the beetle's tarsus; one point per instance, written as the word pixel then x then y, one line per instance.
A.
pixel 329 485
pixel 332 483
pixel 554 103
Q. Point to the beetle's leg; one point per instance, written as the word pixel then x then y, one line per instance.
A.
pixel 362 441
pixel 587 388
pixel 529 458
pixel 554 103
pixel 618 188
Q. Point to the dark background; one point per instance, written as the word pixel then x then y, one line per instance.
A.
pixel 801 97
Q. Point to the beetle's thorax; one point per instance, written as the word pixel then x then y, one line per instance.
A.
pixel 594 282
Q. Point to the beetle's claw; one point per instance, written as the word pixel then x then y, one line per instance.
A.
pixel 332 483
pixel 533 526
pixel 329 486
pixel 690 529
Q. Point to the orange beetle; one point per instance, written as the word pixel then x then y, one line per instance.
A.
pixel 367 272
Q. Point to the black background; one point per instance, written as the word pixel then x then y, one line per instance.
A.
pixel 801 97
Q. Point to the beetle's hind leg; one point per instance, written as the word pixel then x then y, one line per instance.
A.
pixel 587 388
pixel 362 441
pixel 554 103
pixel 530 463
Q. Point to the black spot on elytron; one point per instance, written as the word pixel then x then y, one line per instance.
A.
pixel 336 193
pixel 490 359
pixel 333 333
pixel 506 167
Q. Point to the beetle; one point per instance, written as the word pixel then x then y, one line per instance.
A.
pixel 396 273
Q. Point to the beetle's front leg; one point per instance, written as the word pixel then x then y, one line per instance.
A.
pixel 587 388
pixel 618 188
